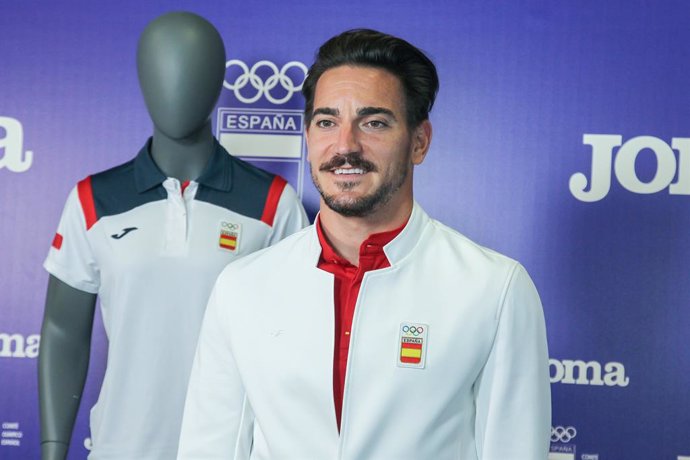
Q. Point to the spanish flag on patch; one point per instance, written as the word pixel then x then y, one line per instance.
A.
pixel 410 352
pixel 228 241
pixel 229 236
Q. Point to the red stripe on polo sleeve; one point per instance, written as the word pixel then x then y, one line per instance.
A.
pixel 87 205
pixel 57 241
pixel 272 200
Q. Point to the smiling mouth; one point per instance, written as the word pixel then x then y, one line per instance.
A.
pixel 348 171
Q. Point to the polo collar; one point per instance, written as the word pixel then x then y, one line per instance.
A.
pixel 372 245
pixel 217 174
pixel 146 173
pixel 396 250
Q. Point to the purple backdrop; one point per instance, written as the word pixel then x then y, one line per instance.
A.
pixel 531 95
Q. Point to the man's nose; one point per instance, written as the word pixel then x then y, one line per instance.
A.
pixel 348 140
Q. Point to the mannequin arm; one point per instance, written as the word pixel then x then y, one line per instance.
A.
pixel 63 362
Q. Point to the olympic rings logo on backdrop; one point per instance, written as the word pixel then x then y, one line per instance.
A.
pixel 414 330
pixel 249 76
pixel 563 434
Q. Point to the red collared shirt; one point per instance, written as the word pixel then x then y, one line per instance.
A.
pixel 348 280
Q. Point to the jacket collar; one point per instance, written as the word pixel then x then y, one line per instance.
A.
pixel 396 250
pixel 403 244
pixel 217 174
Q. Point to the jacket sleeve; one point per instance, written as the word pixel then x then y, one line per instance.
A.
pixel 512 393
pixel 218 421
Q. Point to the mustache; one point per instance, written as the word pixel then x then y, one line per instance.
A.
pixel 353 159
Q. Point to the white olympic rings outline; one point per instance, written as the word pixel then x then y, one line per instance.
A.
pixel 414 330
pixel 563 434
pixel 264 87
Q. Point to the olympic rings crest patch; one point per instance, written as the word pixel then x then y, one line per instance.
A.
pixel 229 238
pixel 412 345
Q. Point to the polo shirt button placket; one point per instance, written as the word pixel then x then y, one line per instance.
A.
pixel 176 219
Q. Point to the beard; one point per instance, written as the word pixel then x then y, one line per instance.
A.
pixel 365 205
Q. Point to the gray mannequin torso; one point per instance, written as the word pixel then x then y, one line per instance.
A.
pixel 181 66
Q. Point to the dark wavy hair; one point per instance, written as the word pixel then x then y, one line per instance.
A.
pixel 370 48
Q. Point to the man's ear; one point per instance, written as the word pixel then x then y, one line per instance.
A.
pixel 421 140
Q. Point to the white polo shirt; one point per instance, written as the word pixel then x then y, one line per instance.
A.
pixel 152 249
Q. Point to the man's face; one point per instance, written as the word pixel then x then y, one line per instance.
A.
pixel 361 151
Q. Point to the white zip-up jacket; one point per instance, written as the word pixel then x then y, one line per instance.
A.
pixel 474 385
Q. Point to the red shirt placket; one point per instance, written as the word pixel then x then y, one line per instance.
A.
pixel 347 282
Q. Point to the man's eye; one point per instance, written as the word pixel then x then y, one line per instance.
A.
pixel 376 124
pixel 324 123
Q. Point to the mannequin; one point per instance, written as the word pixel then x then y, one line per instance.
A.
pixel 181 67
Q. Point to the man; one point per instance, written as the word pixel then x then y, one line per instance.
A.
pixel 384 334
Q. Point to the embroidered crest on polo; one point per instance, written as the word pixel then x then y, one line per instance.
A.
pixel 412 344
pixel 229 237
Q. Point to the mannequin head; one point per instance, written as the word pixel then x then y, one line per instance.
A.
pixel 181 67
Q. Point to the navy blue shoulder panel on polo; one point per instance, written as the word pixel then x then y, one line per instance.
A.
pixel 127 186
pixel 114 191
pixel 235 185
pixel 227 182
